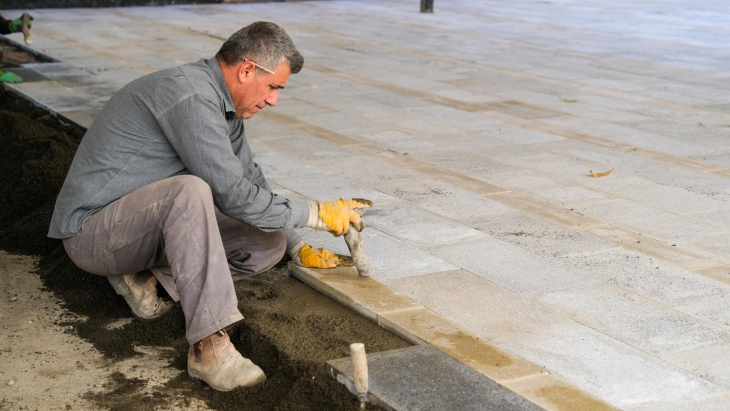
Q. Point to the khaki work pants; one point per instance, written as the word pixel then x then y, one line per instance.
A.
pixel 174 223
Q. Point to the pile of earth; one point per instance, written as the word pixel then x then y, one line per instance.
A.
pixel 289 329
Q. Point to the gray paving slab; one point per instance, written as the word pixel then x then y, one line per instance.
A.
pixel 470 163
pixel 327 187
pixel 398 141
pixel 512 267
pixel 620 374
pixel 460 296
pixel 83 118
pixel 705 361
pixel 277 165
pixel 304 145
pixel 659 281
pixel 27 74
pixel 538 235
pixel 635 320
pixel 55 96
pixel 417 226
pixel 713 310
pixel 649 221
pixel 342 123
pixel 714 403
pixel 65 74
pixel 389 257
pixel 425 378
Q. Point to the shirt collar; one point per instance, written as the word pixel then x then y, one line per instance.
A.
pixel 221 82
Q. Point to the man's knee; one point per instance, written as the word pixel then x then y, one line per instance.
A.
pixel 276 247
pixel 191 184
pixel 268 250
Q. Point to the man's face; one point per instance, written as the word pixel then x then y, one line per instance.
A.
pixel 258 89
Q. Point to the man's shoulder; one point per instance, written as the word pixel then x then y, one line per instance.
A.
pixel 169 87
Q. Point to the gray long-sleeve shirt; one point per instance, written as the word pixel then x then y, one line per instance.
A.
pixel 175 121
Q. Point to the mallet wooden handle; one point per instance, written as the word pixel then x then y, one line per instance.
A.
pixel 361 260
pixel 25 22
pixel 359 371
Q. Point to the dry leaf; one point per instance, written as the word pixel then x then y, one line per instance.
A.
pixel 600 174
pixel 567 100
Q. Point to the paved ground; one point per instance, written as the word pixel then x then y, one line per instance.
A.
pixel 474 130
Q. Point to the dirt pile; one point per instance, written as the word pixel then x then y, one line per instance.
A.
pixel 289 329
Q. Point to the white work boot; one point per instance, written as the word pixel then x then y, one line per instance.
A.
pixel 217 362
pixel 143 300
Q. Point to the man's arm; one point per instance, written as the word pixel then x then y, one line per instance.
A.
pixel 199 133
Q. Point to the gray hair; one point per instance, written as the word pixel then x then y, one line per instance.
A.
pixel 264 43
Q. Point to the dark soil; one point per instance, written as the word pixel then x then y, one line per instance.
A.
pixel 289 330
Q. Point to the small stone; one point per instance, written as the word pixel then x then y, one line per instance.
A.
pixel 13 299
pixel 11 383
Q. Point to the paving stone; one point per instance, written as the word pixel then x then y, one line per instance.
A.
pixel 280 166
pixel 309 147
pixel 326 187
pixel 54 96
pixel 713 403
pixel 717 245
pixel 425 378
pixel 538 235
pixel 632 136
pixel 295 107
pixel 472 164
pixel 649 221
pixel 28 75
pixel 705 361
pixel 389 257
pixel 83 118
pixel 554 394
pixel 719 272
pixel 654 279
pixel 66 74
pixel 459 296
pixel 512 267
pixel 627 317
pixel 342 123
pixel 362 294
pixel 416 226
pixel 399 141
pixel 711 309
pixel 615 372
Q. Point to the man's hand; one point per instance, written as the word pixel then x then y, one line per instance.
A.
pixel 336 216
pixel 309 257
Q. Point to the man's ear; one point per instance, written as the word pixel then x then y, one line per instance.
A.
pixel 246 71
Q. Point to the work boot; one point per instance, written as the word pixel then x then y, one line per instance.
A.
pixel 142 299
pixel 217 362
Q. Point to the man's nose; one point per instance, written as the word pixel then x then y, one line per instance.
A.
pixel 273 98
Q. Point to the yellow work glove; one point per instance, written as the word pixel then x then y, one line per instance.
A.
pixel 309 257
pixel 336 216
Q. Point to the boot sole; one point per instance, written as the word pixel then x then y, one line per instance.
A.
pixel 197 376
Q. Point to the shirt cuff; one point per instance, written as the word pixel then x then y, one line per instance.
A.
pixel 299 214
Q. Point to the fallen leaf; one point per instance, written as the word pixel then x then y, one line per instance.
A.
pixel 600 174
pixel 568 100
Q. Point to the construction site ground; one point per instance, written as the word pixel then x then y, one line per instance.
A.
pixel 479 132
